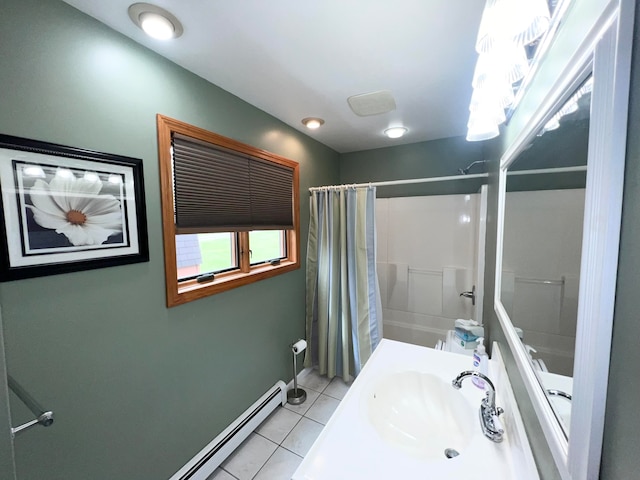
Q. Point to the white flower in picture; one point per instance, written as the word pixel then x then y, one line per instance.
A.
pixel 72 206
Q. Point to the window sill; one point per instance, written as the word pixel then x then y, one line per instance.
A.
pixel 192 290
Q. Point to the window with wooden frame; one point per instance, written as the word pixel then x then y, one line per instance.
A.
pixel 230 212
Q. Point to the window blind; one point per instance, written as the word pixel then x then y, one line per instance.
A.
pixel 220 190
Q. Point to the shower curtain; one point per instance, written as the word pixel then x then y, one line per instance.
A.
pixel 343 309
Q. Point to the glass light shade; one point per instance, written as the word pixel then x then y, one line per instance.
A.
pixel 486 107
pixel 531 20
pixel 517 21
pixel 482 117
pixel 157 26
pixel 495 88
pixel 480 130
pixel 490 30
pixel 507 60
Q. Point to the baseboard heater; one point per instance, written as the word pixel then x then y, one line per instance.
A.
pixel 210 457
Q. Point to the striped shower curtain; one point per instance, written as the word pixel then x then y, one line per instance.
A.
pixel 344 313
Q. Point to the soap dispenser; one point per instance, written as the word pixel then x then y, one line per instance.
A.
pixel 480 363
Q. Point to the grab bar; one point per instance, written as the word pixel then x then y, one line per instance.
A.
pixel 425 272
pixel 539 281
pixel 43 417
pixel 558 393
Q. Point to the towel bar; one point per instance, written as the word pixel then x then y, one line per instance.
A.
pixel 43 417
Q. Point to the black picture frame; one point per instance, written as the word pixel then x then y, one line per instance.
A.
pixel 66 209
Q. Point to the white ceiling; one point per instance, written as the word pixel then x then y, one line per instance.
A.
pixel 301 58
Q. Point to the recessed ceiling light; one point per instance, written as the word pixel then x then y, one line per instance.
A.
pixel 155 21
pixel 312 122
pixel 395 132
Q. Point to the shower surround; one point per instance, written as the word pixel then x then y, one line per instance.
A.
pixel 427 255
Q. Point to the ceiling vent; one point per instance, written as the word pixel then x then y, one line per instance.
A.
pixel 374 103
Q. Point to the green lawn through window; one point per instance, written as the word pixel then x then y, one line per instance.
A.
pixel 217 252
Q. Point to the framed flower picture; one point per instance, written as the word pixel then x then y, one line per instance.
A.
pixel 65 209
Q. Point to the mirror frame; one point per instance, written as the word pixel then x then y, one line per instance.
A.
pixel 606 52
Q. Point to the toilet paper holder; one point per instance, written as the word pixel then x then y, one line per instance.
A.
pixel 296 395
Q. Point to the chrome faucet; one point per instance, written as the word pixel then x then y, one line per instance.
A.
pixel 489 421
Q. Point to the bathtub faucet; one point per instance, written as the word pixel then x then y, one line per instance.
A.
pixel 489 421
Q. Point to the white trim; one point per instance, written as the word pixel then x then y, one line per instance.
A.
pixel 481 243
pixel 606 51
pixel 599 264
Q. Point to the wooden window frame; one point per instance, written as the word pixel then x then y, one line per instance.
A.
pixel 179 293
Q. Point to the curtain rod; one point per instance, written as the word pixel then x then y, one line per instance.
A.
pixel 449 178
pixel 402 182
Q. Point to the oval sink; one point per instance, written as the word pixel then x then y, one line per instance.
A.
pixel 420 413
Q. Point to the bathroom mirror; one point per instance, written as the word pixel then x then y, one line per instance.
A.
pixel 558 234
pixel 542 245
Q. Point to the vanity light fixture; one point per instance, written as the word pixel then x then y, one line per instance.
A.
pixel 395 132
pixel 155 21
pixel 312 122
pixel 506 28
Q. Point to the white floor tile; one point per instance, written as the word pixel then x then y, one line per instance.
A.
pixel 312 395
pixel 314 381
pixel 249 457
pixel 302 436
pixel 281 466
pixel 278 425
pixel 220 474
pixel 337 388
pixel 322 409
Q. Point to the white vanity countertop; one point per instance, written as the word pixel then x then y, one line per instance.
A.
pixel 350 448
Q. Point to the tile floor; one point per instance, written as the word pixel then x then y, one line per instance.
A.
pixel 276 448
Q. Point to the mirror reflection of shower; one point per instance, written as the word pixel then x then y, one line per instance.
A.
pixel 465 171
pixel 542 245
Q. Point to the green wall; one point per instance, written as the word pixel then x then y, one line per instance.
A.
pixel 437 158
pixel 137 388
